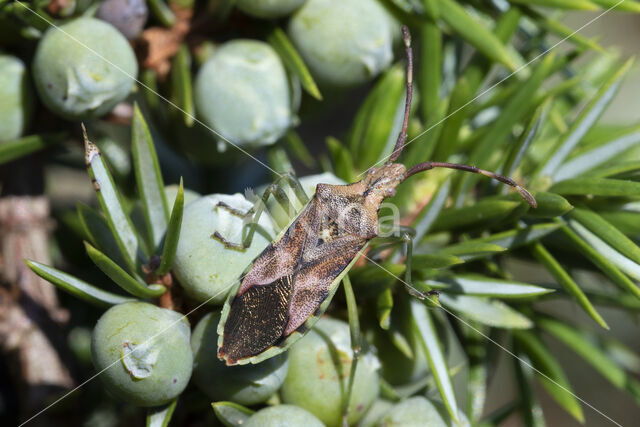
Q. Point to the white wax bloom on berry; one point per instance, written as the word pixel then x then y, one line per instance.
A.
pixel 343 42
pixel 84 68
pixel 243 93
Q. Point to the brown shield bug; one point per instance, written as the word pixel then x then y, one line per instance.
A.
pixel 290 284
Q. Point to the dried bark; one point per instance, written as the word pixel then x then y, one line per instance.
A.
pixel 157 45
pixel 30 317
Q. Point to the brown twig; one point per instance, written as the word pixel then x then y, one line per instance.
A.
pixel 172 299
pixel 157 45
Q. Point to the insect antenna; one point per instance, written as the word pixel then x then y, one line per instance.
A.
pixel 402 138
pixel 425 166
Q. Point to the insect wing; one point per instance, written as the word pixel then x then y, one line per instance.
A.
pixel 294 336
pixel 286 289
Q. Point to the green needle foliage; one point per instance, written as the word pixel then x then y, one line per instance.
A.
pixel 488 93
pixel 116 226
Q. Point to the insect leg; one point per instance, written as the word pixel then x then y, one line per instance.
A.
pixel 408 239
pixel 403 235
pixel 356 344
pixel 233 211
pixel 390 241
pixel 253 216
pixel 277 191
pixel 294 183
pixel 243 245
pixel 291 210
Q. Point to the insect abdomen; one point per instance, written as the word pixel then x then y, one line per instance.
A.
pixel 257 320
